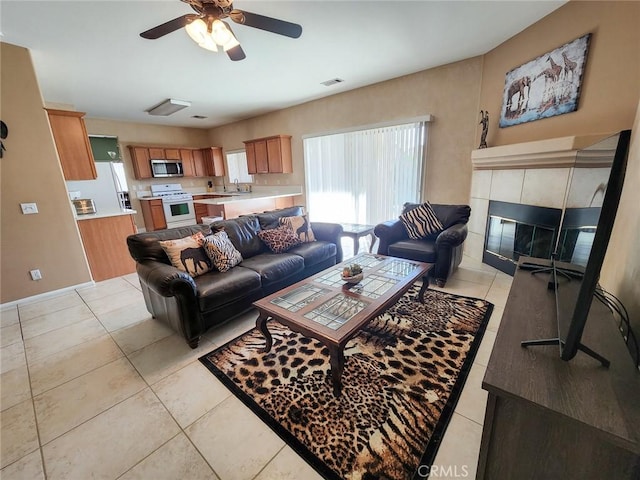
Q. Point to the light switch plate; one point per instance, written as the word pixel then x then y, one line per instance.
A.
pixel 29 208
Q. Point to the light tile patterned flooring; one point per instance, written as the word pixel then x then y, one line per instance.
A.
pixel 93 387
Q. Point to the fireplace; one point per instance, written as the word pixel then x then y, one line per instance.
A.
pixel 515 230
pixel 519 193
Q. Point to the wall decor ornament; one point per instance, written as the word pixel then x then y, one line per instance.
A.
pixel 546 86
pixel 4 133
pixel 484 121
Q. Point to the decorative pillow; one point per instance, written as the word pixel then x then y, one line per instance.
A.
pixel 301 227
pixel 187 254
pixel 421 221
pixel 221 251
pixel 279 239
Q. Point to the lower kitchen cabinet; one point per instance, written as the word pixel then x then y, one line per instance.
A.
pixel 105 244
pixel 153 213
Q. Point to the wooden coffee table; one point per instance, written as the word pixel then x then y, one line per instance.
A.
pixel 324 307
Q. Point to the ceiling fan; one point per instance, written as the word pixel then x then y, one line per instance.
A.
pixel 209 30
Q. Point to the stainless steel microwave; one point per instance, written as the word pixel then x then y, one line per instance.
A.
pixel 166 168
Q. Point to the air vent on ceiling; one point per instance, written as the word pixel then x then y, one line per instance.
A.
pixel 333 81
pixel 199 117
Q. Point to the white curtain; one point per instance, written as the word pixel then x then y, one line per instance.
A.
pixel 364 176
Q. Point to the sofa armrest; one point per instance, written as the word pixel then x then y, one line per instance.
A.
pixel 329 232
pixel 389 232
pixel 452 236
pixel 166 280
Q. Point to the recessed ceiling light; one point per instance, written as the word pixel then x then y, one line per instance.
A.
pixel 333 81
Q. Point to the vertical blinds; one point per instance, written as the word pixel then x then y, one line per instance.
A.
pixel 364 176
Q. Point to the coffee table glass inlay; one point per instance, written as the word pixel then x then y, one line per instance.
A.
pixel 326 308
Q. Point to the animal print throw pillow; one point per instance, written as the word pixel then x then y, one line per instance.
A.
pixel 187 254
pixel 301 226
pixel 279 239
pixel 421 221
pixel 221 251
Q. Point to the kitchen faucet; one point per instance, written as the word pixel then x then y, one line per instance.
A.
pixel 236 184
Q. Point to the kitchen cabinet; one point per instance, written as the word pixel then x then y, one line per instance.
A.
pixel 196 162
pixel 72 144
pixel 269 155
pixel 199 167
pixel 172 154
pixel 153 214
pixel 105 244
pixel 140 158
pixel 213 161
pixel 186 156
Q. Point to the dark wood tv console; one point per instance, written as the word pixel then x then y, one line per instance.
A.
pixel 547 418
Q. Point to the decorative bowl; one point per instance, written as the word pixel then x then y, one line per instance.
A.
pixel 353 278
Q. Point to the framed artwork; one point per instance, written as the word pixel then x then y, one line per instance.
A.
pixel 546 86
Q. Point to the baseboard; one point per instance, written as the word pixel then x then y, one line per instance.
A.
pixel 45 295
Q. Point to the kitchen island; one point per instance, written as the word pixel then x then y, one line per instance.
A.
pixel 233 204
pixel 104 236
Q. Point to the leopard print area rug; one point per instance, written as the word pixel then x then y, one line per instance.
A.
pixel 402 378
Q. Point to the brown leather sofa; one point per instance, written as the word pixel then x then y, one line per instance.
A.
pixel 443 249
pixel 193 305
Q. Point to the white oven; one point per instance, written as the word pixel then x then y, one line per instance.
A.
pixel 177 205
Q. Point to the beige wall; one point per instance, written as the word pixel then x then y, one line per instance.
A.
pixel 449 93
pixel 621 270
pixel 30 172
pixel 611 83
pixel 143 134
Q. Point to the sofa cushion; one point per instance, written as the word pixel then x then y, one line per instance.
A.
pixel 279 239
pixel 315 252
pixel 221 251
pixel 273 267
pixel 217 289
pixel 301 226
pixel 421 221
pixel 243 233
pixel 187 254
pixel 419 250
pixel 146 246
pixel 271 218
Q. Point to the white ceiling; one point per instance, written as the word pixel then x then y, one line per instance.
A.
pixel 89 54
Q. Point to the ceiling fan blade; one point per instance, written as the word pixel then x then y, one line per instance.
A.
pixel 236 53
pixel 168 27
pixel 268 24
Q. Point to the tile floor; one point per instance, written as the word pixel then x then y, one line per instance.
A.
pixel 93 387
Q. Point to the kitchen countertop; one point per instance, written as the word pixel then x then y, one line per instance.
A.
pixel 112 213
pixel 232 197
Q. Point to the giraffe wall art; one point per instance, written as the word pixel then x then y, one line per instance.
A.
pixel 546 86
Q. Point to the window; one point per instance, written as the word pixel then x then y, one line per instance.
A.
pixel 364 176
pixel 237 167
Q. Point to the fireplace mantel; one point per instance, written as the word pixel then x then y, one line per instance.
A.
pixel 559 152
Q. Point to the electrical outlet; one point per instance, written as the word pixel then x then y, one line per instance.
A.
pixel 29 208
pixel 35 274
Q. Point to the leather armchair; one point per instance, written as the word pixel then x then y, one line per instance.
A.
pixel 443 249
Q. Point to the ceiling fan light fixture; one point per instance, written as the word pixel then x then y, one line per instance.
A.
pixel 197 30
pixel 220 33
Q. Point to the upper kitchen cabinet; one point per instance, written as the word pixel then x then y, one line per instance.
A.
pixel 269 155
pixel 72 143
pixel 140 157
pixel 213 161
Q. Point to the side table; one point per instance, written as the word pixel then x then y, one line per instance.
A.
pixel 355 231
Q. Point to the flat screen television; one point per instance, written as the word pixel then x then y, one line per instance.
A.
pixel 586 226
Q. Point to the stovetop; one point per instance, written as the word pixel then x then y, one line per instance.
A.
pixel 170 192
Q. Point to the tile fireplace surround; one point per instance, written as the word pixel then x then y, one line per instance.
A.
pixel 534 173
